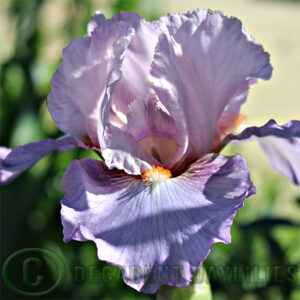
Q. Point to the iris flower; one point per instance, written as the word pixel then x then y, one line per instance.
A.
pixel 158 101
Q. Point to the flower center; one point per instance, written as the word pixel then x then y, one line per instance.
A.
pixel 161 148
pixel 156 175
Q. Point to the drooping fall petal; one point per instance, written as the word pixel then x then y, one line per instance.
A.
pixel 157 233
pixel 280 144
pixel 15 161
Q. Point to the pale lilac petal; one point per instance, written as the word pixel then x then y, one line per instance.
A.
pixel 15 161
pixel 78 85
pixel 153 128
pixel 97 20
pixel 281 145
pixel 119 149
pixel 199 65
pixel 4 152
pixel 147 117
pixel 149 230
pixel 136 65
pixel 283 155
pixel 123 152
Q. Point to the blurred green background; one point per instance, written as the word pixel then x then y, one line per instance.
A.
pixel 265 233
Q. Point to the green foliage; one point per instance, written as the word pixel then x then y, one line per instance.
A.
pixel 199 289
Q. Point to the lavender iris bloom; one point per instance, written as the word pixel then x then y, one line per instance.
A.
pixel 159 101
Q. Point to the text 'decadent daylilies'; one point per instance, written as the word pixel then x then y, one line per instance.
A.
pixel 159 100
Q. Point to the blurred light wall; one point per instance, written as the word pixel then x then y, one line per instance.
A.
pixel 275 25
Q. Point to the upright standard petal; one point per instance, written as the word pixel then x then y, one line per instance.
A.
pixel 119 148
pixel 78 85
pixel 200 63
pixel 157 233
pixel 281 145
pixel 15 161
pixel 137 62
pixel 152 128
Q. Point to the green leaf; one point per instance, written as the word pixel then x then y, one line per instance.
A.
pixel 199 289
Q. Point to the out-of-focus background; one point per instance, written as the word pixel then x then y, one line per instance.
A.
pixel 265 233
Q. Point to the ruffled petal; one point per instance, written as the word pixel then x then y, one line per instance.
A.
pixel 78 85
pixel 160 233
pixel 15 161
pixel 136 65
pixel 119 148
pixel 91 69
pixel 200 63
pixel 97 20
pixel 281 145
